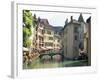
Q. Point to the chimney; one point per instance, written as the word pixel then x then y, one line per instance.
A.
pixel 71 18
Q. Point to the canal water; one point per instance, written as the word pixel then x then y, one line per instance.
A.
pixel 36 64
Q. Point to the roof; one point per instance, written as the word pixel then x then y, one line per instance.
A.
pixel 75 21
pixel 44 21
pixel 46 24
pixel 57 29
pixel 80 19
pixel 49 27
pixel 88 20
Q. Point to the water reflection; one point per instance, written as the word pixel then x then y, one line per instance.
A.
pixel 47 63
pixel 51 60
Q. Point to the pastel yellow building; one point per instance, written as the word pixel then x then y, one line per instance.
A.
pixel 45 36
pixel 48 37
pixel 57 42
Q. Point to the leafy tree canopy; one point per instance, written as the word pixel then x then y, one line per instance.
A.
pixel 27 25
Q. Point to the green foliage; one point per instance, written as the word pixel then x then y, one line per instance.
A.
pixel 27 43
pixel 26 32
pixel 27 25
pixel 27 18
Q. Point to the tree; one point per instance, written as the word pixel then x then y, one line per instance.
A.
pixel 27 24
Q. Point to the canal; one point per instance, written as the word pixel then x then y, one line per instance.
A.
pixel 36 64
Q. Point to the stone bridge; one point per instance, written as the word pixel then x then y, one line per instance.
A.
pixel 51 55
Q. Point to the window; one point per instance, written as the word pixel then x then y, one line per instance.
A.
pixel 76 37
pixel 48 32
pixel 76 29
pixel 57 45
pixel 50 38
pixel 48 44
pixel 58 40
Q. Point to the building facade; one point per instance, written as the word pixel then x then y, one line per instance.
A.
pixel 76 38
pixel 48 37
pixel 40 34
pixel 45 37
pixel 82 30
pixel 57 42
pixel 88 23
pixel 71 39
